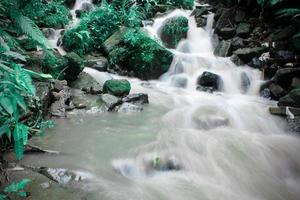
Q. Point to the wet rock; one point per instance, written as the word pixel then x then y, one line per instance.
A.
pixel 236 60
pixel 173 31
pixel 227 15
pixel 61 176
pixel 109 101
pixel 240 15
pixel 138 98
pixel 223 49
pixel 75 66
pixel 227 32
pixel 49 33
pixel 178 68
pixel 199 13
pixel 129 107
pixel 43 91
pixel 247 54
pixel 62 104
pixel 166 163
pixel 292 99
pixel 282 111
pixel 117 87
pixel 277 91
pixel 284 34
pixel 282 57
pixel 114 40
pixel 256 63
pixel 237 43
pixel 180 81
pixel 270 71
pixel 70 3
pixel 284 76
pixel 245 82
pixel 243 30
pixel 210 81
pixel 87 83
pixel 98 63
pixel 294 124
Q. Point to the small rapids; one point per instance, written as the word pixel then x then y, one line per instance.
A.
pixel 187 144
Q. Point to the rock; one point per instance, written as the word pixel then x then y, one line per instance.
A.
pixel 98 63
pixel 87 83
pixel 61 176
pixel 277 91
pixel 62 104
pixel 49 33
pixel 294 124
pixel 227 32
pixel 240 15
pixel 117 87
pixel 27 43
pixel 282 57
pixel 180 81
pixel 295 82
pixel 247 54
pixel 223 49
pixel 236 60
pixel 284 34
pixel 243 30
pixel 70 3
pixel 284 76
pixel 245 82
pixel 43 92
pixel 114 39
pixel 59 85
pixel 87 7
pixel 270 71
pixel 199 18
pixel 292 99
pixel 256 63
pixel 237 43
pixel 75 66
pixel 138 98
pixel 129 107
pixel 109 101
pixel 282 111
pixel 210 81
pixel 174 30
pixel 227 15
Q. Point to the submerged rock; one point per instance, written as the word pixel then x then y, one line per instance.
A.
pixel 174 30
pixel 129 107
pixel 117 87
pixel 209 82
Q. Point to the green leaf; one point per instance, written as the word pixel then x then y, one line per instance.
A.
pixel 2 197
pixel 6 103
pixel 4 129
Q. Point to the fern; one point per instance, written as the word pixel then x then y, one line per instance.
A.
pixel 287 13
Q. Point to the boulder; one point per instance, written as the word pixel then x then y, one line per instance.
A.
pixel 237 43
pixel 114 40
pixel 74 66
pixel 270 71
pixel 87 83
pixel 243 30
pixel 247 54
pixel 62 102
pixel 277 91
pixel 109 101
pixel 138 98
pixel 223 49
pixel 117 87
pixel 282 111
pixel 99 63
pixel 292 99
pixel 284 76
pixel 226 16
pixel 282 57
pixel 174 30
pixel 199 14
pixel 209 82
pixel 227 32
pixel 256 63
pixel 43 92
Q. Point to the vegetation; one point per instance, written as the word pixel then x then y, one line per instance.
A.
pixel 15 190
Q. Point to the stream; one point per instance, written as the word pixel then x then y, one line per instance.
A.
pixel 186 144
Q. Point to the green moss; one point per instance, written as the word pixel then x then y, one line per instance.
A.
pixel 142 55
pixel 47 14
pixel 117 87
pixel 174 30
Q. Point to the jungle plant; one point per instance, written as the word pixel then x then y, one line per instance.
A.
pixel 15 189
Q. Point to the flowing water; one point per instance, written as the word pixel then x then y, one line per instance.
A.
pixel 186 144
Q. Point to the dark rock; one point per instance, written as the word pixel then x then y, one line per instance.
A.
pixel 236 60
pixel 284 76
pixel 240 15
pixel 225 19
pixel 256 63
pixel 291 99
pixel 223 49
pixel 295 82
pixel 43 92
pixel 138 98
pixel 210 81
pixel 59 85
pixel 294 124
pixel 282 57
pixel 243 30
pixel 284 34
pixel 245 82
pixel 87 83
pixel 247 54
pixel 227 32
pixel 277 91
pixel 75 66
pixel 237 43
pixel 270 71
pixel 98 63
pixel 70 3
pixel 199 13
pixel 27 43
pixel 129 107
pixel 201 21
pixel 282 111
pixel 117 87
pixel 174 30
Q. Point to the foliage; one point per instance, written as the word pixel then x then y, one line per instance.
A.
pixel 47 14
pixel 15 189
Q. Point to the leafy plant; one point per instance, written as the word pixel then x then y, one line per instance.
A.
pixel 15 189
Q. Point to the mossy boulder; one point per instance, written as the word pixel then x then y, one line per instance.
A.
pixel 174 30
pixel 118 88
pixel 141 55
pixel 74 66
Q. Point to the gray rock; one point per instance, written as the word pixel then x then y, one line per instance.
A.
pixel 138 98
pixel 277 91
pixel 237 43
pixel 62 104
pixel 114 39
pixel 99 63
pixel 87 7
pixel 43 92
pixel 227 32
pixel 223 21
pixel 240 15
pixel 284 76
pixel 294 124
pixel 110 101
pixel 282 111
pixel 247 54
pixel 210 81
pixel 49 33
pixel 243 30
pixel 87 83
pixel 223 49
pixel 61 176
